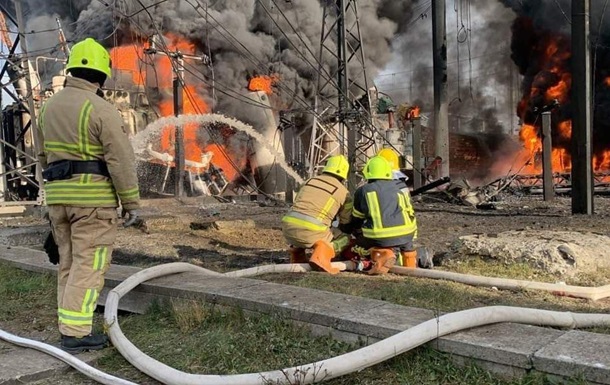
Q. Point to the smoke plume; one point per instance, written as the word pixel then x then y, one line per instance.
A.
pixel 243 38
pixel 480 72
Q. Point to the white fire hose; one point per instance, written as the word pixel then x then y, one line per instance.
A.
pixel 313 372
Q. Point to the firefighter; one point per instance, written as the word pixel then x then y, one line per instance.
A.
pixel 307 224
pixel 383 212
pixel 89 166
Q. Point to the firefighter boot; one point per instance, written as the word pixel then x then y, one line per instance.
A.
pixel 297 255
pixel 383 260
pixel 88 342
pixel 323 252
pixel 409 258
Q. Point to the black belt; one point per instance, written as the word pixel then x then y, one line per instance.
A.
pixel 64 169
pixel 90 167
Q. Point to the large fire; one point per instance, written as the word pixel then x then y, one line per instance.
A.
pixel 543 58
pixel 132 59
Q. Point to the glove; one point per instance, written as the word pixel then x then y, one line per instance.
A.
pixel 50 247
pixel 132 216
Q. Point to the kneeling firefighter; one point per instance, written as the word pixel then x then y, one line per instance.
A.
pixel 89 165
pixel 307 224
pixel 382 210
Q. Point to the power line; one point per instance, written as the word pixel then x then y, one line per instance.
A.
pixel 498 53
pixel 563 12
pixel 249 55
pixel 196 106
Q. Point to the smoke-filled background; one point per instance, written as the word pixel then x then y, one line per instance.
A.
pixel 497 51
pixel 244 38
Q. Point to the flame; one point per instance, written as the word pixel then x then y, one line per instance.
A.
pixel 263 83
pixel 413 112
pixel 602 162
pixel 128 58
pixel 131 58
pixel 530 139
pixel 607 81
pixel 561 90
pixel 552 82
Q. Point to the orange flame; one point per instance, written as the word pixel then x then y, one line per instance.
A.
pixel 263 83
pixel 413 112
pixel 131 59
pixel 128 58
pixel 552 82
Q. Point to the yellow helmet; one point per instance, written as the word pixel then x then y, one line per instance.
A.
pixel 337 165
pixel 391 156
pixel 91 55
pixel 377 168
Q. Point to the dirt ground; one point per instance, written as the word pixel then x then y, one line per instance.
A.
pixel 249 233
pixel 182 231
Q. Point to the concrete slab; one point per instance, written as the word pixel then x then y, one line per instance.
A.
pixel 379 322
pixel 24 236
pixel 577 353
pixel 507 343
pixel 20 365
pixel 27 259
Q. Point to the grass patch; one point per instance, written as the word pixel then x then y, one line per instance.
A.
pixel 231 342
pixel 442 296
pixel 200 338
pixel 495 268
pixel 27 300
pixel 522 270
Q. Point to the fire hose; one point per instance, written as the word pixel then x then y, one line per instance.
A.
pixel 308 373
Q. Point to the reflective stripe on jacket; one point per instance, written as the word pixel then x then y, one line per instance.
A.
pixel 385 209
pixel 318 202
pixel 76 124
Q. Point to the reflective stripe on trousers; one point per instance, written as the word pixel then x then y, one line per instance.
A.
pixel 305 221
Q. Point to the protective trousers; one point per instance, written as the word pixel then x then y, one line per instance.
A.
pixel 85 237
pixel 298 236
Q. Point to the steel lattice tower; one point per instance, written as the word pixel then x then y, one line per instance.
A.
pixel 343 121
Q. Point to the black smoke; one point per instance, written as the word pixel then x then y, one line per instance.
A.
pixel 540 25
pixel 245 38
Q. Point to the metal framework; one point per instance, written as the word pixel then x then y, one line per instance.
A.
pixel 343 121
pixel 20 175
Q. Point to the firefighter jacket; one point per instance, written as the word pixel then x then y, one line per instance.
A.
pixel 318 202
pixel 76 124
pixel 383 208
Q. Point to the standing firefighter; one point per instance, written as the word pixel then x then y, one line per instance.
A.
pixel 318 202
pixel 383 210
pixel 88 161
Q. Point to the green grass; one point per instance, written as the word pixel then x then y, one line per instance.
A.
pixel 494 268
pixel 442 296
pixel 27 298
pixel 200 338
